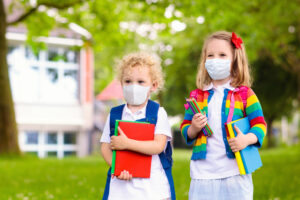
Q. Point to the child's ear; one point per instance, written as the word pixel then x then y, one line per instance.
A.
pixel 153 87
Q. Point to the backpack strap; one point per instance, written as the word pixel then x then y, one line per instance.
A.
pixel 107 185
pixel 167 162
pixel 165 156
pixel 242 90
pixel 151 112
pixel 115 114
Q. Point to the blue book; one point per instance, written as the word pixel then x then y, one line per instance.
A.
pixel 250 155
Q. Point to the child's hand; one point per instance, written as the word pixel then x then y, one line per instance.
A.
pixel 125 176
pixel 239 142
pixel 198 122
pixel 119 142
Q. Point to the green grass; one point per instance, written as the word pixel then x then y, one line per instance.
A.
pixel 72 178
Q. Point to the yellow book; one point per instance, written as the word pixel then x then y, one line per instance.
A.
pixel 237 154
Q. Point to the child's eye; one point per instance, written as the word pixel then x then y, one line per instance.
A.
pixel 222 54
pixel 141 82
pixel 209 55
pixel 127 81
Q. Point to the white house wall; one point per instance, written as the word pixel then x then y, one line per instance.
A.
pixel 58 116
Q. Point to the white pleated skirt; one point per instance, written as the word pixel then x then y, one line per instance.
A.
pixel 239 187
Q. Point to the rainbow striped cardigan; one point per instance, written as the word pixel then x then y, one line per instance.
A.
pixel 252 109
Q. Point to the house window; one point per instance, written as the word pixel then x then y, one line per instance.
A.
pixel 50 76
pixel 70 81
pixel 50 143
pixel 31 153
pixel 32 137
pixel 51 138
pixel 69 153
pixel 54 54
pixel 51 153
pixel 69 138
pixel 30 55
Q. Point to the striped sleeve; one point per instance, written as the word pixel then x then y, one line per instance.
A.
pixel 185 125
pixel 255 114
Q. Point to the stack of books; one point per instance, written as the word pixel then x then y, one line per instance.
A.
pixel 137 164
pixel 248 159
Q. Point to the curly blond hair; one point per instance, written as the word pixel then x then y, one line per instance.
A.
pixel 142 59
pixel 240 71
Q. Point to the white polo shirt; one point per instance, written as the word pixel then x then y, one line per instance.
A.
pixel 155 187
pixel 216 165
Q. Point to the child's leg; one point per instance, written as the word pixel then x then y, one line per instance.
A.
pixel 235 187
pixel 238 187
pixel 203 189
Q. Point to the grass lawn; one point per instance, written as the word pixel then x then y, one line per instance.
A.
pixel 72 178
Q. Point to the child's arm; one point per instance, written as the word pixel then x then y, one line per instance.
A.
pixel 258 128
pixel 107 156
pixel 198 123
pixel 106 152
pixel 156 146
pixel 241 141
pixel 152 147
pixel 192 125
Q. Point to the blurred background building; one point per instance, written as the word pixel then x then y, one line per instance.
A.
pixel 53 92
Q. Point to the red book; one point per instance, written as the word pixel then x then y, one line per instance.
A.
pixel 137 164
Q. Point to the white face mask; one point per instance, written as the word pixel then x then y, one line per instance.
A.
pixel 135 94
pixel 218 69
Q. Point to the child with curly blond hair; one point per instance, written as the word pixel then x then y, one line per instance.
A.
pixel 140 74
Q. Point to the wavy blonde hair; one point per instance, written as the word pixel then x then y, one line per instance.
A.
pixel 142 59
pixel 240 71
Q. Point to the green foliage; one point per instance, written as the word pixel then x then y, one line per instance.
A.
pixel 38 25
pixel 74 178
pixel 256 22
pixel 275 86
pixel 260 30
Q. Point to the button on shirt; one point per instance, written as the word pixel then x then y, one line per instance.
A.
pixel 217 164
pixel 155 187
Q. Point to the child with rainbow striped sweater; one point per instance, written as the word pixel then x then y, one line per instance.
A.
pixel 223 77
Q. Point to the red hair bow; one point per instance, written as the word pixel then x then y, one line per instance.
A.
pixel 236 41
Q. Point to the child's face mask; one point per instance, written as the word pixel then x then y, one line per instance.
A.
pixel 135 94
pixel 218 69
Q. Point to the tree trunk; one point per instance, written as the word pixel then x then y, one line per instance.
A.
pixel 298 86
pixel 270 135
pixel 8 127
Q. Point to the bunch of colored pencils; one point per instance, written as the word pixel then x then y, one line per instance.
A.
pixel 196 109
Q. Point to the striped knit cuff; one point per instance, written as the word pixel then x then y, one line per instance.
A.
pixel 259 134
pixel 188 140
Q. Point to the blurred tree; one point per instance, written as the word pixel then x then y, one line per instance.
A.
pixel 8 126
pixel 263 34
pixel 101 18
pixel 175 30
pixel 254 21
pixel 275 88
